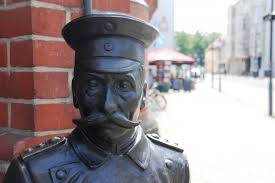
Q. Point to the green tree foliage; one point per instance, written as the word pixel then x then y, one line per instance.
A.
pixel 195 44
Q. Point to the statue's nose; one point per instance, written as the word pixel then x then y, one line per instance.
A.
pixel 110 105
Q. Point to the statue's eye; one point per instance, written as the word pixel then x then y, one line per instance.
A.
pixel 93 83
pixel 125 85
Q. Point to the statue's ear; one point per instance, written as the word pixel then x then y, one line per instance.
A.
pixel 74 89
pixel 143 100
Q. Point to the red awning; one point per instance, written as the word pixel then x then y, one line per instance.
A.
pixel 169 55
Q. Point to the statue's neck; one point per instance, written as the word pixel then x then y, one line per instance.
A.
pixel 116 141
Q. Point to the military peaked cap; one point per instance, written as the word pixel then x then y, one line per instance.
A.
pixel 109 42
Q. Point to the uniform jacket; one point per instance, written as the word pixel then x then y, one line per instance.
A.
pixel 75 159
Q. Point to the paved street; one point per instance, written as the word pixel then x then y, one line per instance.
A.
pixel 249 90
pixel 226 138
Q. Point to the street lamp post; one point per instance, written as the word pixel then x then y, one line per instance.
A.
pixel 219 69
pixel 256 54
pixel 212 67
pixel 270 17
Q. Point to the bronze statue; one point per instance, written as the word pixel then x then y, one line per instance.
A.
pixel 108 145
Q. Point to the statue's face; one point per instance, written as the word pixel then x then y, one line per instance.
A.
pixel 103 98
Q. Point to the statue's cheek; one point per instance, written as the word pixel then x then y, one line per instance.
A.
pixel 129 101
pixel 90 98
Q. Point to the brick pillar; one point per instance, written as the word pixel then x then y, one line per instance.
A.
pixel 36 68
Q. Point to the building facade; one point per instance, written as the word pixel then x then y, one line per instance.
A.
pixel 245 37
pixel 266 47
pixel 215 57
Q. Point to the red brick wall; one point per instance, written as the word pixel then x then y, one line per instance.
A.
pixel 139 10
pixel 36 64
pixel 111 5
pixel 152 6
pixel 36 68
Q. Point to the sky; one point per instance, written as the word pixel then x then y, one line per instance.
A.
pixel 201 15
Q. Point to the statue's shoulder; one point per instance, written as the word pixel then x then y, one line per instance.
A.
pixel 166 144
pixel 49 146
pixel 39 162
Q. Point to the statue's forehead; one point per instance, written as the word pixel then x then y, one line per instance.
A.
pixel 108 65
pixel 133 76
pixel 130 74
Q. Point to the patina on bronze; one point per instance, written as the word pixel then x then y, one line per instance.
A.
pixel 108 145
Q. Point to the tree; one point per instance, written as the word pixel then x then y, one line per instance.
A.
pixel 195 44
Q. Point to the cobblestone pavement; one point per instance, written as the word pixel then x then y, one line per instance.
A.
pixel 226 140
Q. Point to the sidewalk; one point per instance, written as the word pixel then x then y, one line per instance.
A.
pixel 226 140
pixel 249 90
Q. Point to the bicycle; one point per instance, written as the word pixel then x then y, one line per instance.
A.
pixel 156 99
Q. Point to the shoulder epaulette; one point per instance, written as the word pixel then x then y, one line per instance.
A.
pixel 164 142
pixel 45 146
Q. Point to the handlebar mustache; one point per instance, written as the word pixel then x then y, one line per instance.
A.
pixel 116 117
pixel 121 120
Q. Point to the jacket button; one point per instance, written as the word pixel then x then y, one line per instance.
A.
pixel 61 174
pixel 168 163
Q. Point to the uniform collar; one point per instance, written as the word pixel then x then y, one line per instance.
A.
pixel 141 151
pixel 94 156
